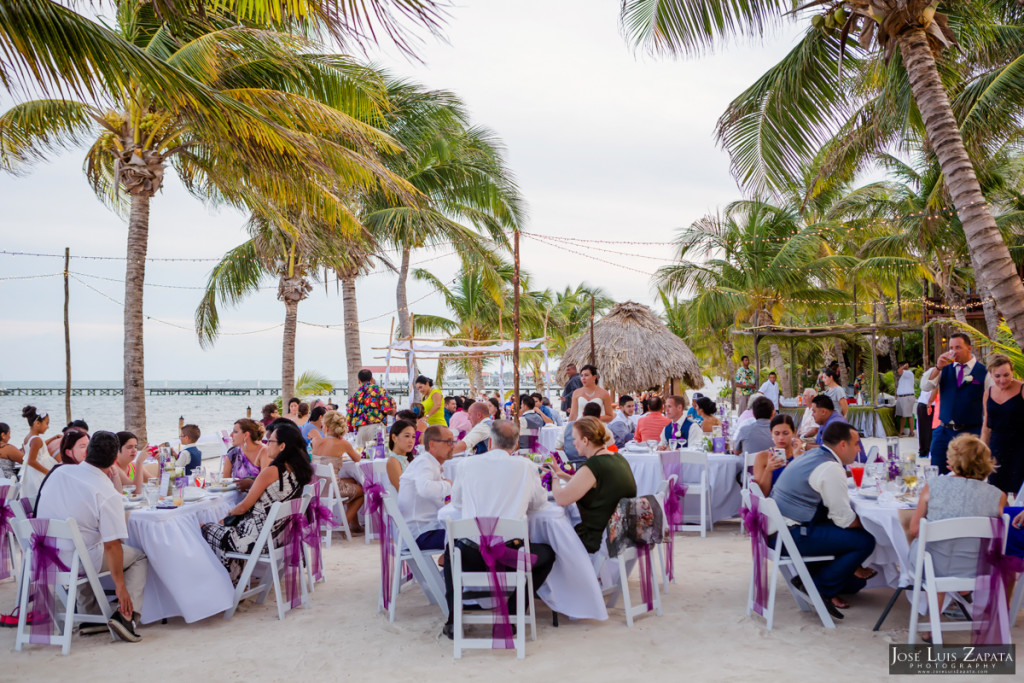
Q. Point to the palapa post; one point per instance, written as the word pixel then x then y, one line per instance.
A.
pixel 515 327
pixel 67 336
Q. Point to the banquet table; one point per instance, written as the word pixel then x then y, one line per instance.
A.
pixel 571 588
pixel 548 436
pixel 185 578
pixel 722 471
pixel 888 524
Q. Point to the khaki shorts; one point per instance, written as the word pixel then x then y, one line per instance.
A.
pixel 906 406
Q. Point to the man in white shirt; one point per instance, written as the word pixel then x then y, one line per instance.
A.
pixel 925 409
pixel 770 389
pixel 681 428
pixel 476 439
pixel 85 493
pixel 905 399
pixel 813 497
pixel 497 484
pixel 422 489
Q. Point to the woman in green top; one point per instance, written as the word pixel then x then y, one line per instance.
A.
pixel 433 401
pixel 603 479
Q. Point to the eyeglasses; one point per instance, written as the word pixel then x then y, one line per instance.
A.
pixel 273 441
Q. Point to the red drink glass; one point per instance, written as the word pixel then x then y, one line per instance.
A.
pixel 858 474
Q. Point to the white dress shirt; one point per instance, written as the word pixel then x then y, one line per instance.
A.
pixel 480 432
pixel 86 493
pixel 933 384
pixel 829 480
pixel 771 392
pixel 496 484
pixel 421 493
pixel 693 439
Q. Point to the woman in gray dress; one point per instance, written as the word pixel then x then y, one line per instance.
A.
pixel 962 493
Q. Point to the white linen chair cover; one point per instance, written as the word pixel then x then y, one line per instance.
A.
pixel 80 572
pixel 790 565
pixel 925 579
pixel 522 580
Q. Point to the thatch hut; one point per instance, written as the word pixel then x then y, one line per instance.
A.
pixel 635 352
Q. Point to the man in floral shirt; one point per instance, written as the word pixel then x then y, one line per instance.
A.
pixel 745 383
pixel 367 409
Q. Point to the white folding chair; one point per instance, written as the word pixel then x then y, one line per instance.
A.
pixel 521 580
pixel 748 468
pixel 8 501
pixel 792 565
pixel 669 547
pixel 872 453
pixel 265 554
pixel 626 560
pixel 702 488
pixel 67 538
pixel 926 580
pixel 380 473
pixel 331 497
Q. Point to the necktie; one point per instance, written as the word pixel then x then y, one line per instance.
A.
pixel 960 374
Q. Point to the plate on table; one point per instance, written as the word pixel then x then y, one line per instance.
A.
pixel 221 488
pixel 193 494
pixel 869 493
pixel 132 505
pixel 134 499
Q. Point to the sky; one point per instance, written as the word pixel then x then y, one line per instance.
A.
pixel 606 144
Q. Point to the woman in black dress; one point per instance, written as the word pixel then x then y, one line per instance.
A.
pixel 1004 416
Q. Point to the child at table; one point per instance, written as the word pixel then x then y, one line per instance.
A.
pixel 189 435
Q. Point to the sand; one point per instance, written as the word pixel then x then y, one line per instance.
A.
pixel 703 635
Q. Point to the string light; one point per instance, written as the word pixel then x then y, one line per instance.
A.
pixel 30 277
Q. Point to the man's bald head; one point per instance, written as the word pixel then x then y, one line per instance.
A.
pixel 477 413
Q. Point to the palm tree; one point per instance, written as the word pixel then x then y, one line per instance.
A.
pixel 569 315
pixel 290 108
pixel 915 30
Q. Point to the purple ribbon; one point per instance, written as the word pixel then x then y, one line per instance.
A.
pixel 496 554
pixel 6 515
pixel 531 441
pixel 373 492
pixel 673 505
pixel 46 563
pixel 756 524
pixel 290 539
pixel 319 516
pixel 643 555
pixel 995 572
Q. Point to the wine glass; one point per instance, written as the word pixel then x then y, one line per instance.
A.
pixel 652 444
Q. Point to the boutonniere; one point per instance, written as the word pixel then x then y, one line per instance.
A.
pixel 968 378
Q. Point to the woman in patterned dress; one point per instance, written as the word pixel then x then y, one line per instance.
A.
pixel 289 470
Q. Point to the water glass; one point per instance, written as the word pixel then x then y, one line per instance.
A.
pixel 199 477
pixel 652 444
pixel 931 471
pixel 152 495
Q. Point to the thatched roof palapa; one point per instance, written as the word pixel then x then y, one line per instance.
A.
pixel 635 351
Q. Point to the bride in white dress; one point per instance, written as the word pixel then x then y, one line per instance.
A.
pixel 591 393
pixel 38 460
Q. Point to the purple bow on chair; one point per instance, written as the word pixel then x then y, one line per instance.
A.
pixel 995 571
pixel 6 515
pixel 756 524
pixel 319 516
pixel 531 442
pixel 643 552
pixel 496 554
pixel 289 539
pixel 373 492
pixel 673 505
pixel 46 564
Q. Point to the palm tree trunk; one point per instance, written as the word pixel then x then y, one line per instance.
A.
pixel 988 306
pixel 730 365
pixel 134 279
pixel 983 238
pixel 477 377
pixel 779 364
pixel 402 297
pixel 353 352
pixel 538 375
pixel 288 350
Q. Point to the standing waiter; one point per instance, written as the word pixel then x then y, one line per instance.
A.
pixel 961 381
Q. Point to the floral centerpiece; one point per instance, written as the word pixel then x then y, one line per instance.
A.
pixel 545 478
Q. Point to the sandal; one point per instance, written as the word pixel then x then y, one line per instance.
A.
pixel 839 602
pixel 865 573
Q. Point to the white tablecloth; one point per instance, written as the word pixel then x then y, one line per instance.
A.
pixel 892 551
pixel 571 588
pixel 185 578
pixel 722 471
pixel 548 436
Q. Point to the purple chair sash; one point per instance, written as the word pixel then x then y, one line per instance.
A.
pixel 46 564
pixel 995 572
pixel 531 441
pixel 289 539
pixel 643 554
pixel 496 554
pixel 373 492
pixel 6 515
pixel 756 524
pixel 319 516
pixel 673 505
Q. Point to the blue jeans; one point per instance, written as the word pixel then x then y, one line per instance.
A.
pixel 941 436
pixel 850 546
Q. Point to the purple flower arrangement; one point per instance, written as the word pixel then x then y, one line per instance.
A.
pixel 545 477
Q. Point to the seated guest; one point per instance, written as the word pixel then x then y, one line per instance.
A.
pixel 401 450
pixel 495 408
pixel 812 494
pixel 313 429
pixel 681 429
pixel 414 415
pixel 767 467
pixel 451 404
pixel 756 436
pixel 282 479
pixel 495 484
pixel 564 441
pixel 293 409
pixel 556 416
pixel 824 413
pixel 652 423
pixel 270 413
pixel 706 410
pixel 603 479
pixel 807 427
pixel 303 416
pixel 545 411
pixel 460 422
pixel 243 459
pixel 747 415
pixel 423 489
pixel 73 447
pixel 9 455
pixel 475 440
pixel 335 451
pixel 963 493
pixel 86 494
pixel 622 427
pixel 530 419
pixel 189 435
pixel 128 467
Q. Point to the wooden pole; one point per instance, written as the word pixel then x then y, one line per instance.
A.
pixel 515 328
pixel 67 336
pixel 792 367
pixel 593 348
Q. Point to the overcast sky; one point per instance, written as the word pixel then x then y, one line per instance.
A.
pixel 606 144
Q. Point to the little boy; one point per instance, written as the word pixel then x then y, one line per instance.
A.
pixel 189 435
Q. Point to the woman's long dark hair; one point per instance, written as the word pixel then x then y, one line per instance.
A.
pixel 396 429
pixel 294 454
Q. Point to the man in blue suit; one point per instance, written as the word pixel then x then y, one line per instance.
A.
pixel 961 381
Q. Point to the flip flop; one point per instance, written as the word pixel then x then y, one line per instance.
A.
pixel 872 573
pixel 839 602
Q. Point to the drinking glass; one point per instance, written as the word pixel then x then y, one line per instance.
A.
pixel 857 470
pixel 199 477
pixel 652 444
pixel 179 492
pixel 130 490
pixel 931 471
pixel 152 495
